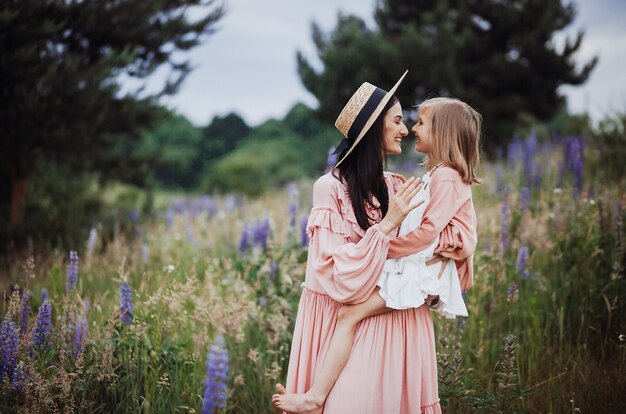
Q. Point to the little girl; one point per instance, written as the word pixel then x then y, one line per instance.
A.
pixel 448 132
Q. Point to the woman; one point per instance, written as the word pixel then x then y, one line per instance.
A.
pixel 392 364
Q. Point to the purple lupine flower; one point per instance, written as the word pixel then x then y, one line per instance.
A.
pixel 530 149
pixel 44 294
pixel 80 337
pixel 331 160
pixel 514 152
pixel 574 152
pixel 169 217
pixel 9 342
pixel 499 179
pixel 578 175
pixel 262 301
pixel 272 271
pixel 72 271
pixel 126 308
pixel 24 314
pixel 261 233
pixel 293 211
pixel 19 378
pixel 244 241
pixel 91 242
pixel 216 383
pixel 504 226
pixel 524 198
pixel 512 293
pixel 304 236
pixel 520 263
pixel 41 331
pixel 134 215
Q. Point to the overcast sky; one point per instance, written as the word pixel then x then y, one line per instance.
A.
pixel 249 65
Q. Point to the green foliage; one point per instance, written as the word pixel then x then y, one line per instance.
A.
pixel 498 56
pixel 174 142
pixel 557 338
pixel 60 70
pixel 609 148
pixel 273 154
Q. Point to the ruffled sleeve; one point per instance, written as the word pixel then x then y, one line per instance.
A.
pixel 347 271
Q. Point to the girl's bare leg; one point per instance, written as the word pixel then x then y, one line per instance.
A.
pixel 338 353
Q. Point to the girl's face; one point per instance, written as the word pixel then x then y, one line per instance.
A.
pixel 423 137
pixel 394 130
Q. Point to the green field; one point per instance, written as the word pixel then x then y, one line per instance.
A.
pixel 546 331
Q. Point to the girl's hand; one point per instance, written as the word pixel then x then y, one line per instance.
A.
pixel 399 206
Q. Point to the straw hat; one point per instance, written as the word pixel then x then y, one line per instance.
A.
pixel 359 114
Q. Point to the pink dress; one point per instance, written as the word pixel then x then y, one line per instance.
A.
pixel 392 367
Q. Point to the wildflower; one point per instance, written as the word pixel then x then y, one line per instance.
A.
pixel 513 293
pixel 91 242
pixel 524 198
pixel 80 337
pixel 499 179
pixel 244 241
pixel 24 314
pixel 169 217
pixel 262 301
pixel 530 149
pixel 293 210
pixel 19 377
pixel 331 160
pixel 170 268
pixel 304 236
pixel 134 215
pixel 261 233
pixel 41 332
pixel 44 294
pixel 273 269
pixel 9 342
pixel 126 308
pixel 72 271
pixel 215 385
pixel 514 152
pixel 520 264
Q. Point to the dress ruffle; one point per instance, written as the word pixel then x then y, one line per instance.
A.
pixel 325 218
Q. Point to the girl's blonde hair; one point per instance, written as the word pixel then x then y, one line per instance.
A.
pixel 455 130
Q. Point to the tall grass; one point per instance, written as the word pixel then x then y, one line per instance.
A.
pixel 545 332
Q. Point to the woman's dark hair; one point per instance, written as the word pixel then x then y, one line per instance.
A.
pixel 363 169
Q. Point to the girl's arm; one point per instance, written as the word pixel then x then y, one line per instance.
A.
pixel 446 198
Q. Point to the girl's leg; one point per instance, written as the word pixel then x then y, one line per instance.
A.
pixel 337 356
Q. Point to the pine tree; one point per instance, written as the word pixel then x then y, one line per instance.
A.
pixel 498 56
pixel 60 68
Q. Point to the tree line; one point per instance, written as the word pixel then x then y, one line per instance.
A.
pixel 66 122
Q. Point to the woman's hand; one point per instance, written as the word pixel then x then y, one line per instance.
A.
pixel 399 206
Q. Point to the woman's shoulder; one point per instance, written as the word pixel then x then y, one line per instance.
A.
pixel 327 190
pixel 327 182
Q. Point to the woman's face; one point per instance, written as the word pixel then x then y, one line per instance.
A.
pixel 394 130
pixel 423 137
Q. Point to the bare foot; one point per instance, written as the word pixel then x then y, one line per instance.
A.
pixel 297 403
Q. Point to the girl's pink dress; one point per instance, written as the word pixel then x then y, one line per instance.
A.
pixel 392 367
